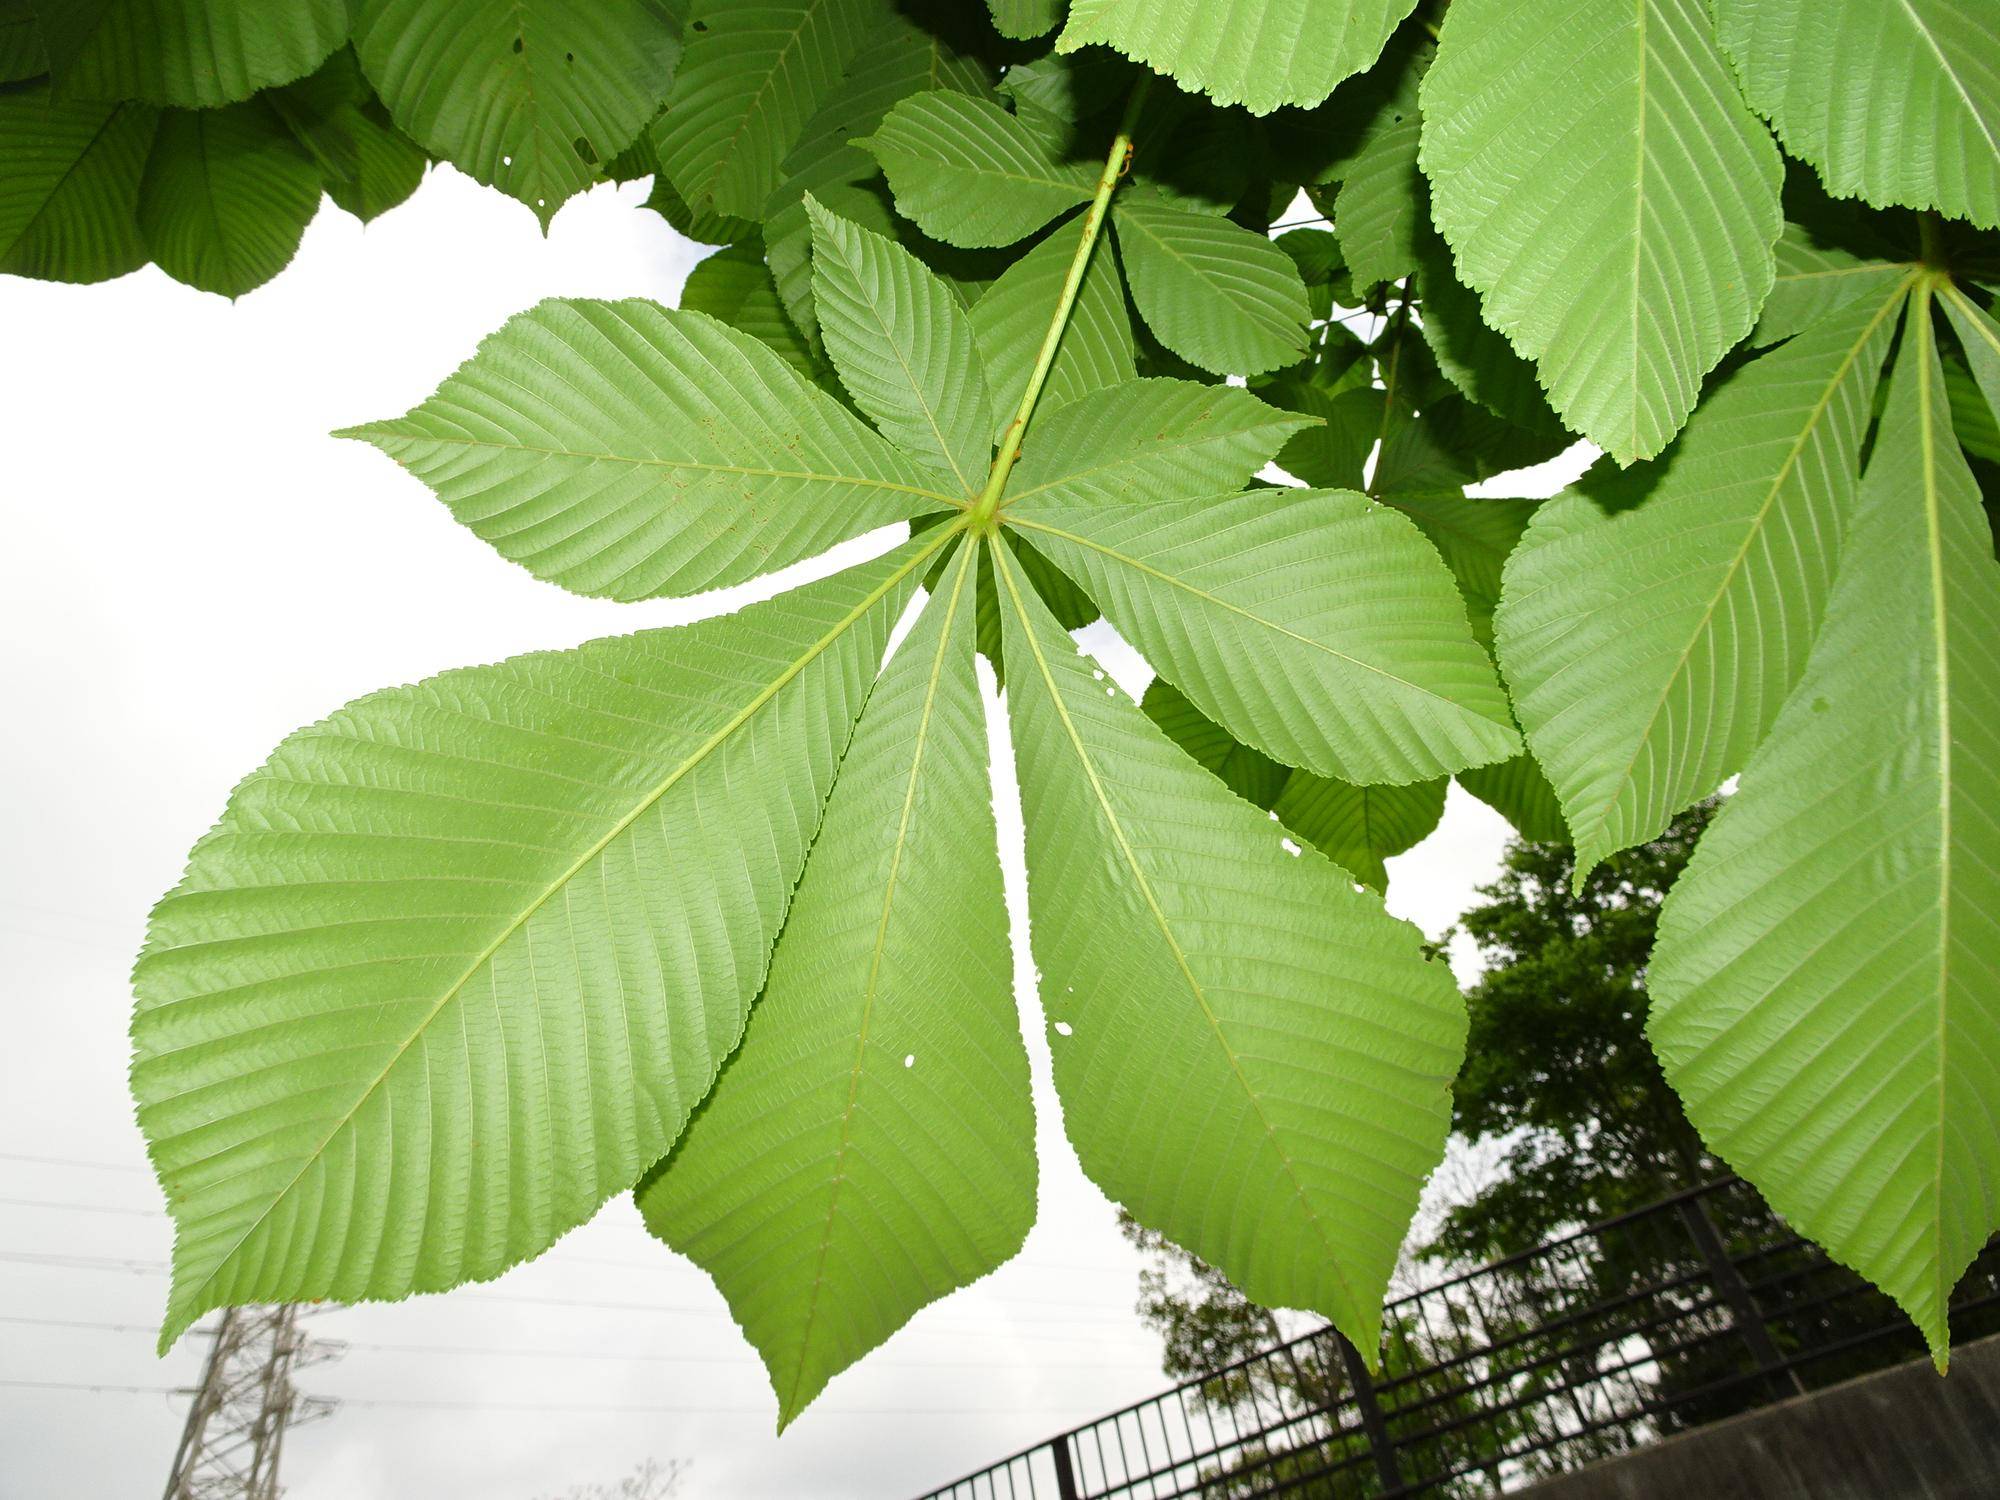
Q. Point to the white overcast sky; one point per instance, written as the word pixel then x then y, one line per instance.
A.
pixel 191 568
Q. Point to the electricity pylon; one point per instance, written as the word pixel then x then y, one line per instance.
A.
pixel 236 1427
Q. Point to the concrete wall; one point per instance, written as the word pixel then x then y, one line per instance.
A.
pixel 1899 1434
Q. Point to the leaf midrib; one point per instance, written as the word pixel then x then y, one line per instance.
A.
pixel 1250 615
pixel 870 988
pixel 1003 567
pixel 645 802
pixel 1750 535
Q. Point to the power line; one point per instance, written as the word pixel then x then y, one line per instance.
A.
pixel 82 1208
pixel 71 1161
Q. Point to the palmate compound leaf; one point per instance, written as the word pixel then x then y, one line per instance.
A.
pixel 751 78
pixel 1824 995
pixel 1896 103
pixel 621 449
pixel 904 350
pixel 1316 625
pixel 69 186
pixel 970 174
pixel 226 196
pixel 1252 1056
pixel 1258 53
pixel 1604 188
pixel 871 1147
pixel 1215 293
pixel 194 53
pixel 1649 649
pixel 457 962
pixel 528 96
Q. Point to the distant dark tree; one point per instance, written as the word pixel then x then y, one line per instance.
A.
pixel 1558 1072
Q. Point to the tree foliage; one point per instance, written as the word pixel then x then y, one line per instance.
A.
pixel 462 960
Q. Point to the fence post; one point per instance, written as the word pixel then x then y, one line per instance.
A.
pixel 1065 1470
pixel 1742 1301
pixel 1380 1444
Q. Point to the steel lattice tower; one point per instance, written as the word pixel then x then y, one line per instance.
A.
pixel 236 1427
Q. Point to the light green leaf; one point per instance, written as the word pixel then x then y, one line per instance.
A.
pixel 623 450
pixel 1606 191
pixel 1216 294
pixel 1023 19
pixel 734 286
pixel 1143 440
pixel 1315 625
pixel 458 961
pixel 1012 315
pixel 1649 651
pixel 226 197
pixel 872 1146
pixel 1358 827
pixel 901 57
pixel 193 53
pixel 1894 101
pixel 69 186
pixel 528 96
pixel 753 75
pixel 971 174
pixel 1824 995
pixel 1475 358
pixel 1382 205
pixel 1518 791
pixel 904 350
pixel 1231 1023
pixel 1814 277
pixel 1257 53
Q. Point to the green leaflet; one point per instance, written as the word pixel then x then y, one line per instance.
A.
pixel 458 961
pixel 1518 791
pixel 1824 995
pixel 1257 53
pixel 904 350
pixel 1022 19
pixel 734 286
pixel 1358 827
pixel 872 1146
pixel 368 164
pixel 1475 537
pixel 226 196
pixel 1471 355
pixel 620 449
pixel 1009 318
pixel 69 186
pixel 1649 650
pixel 1980 336
pixel 1815 276
pixel 22 55
pixel 905 55
pixel 194 53
pixel 1332 455
pixel 1231 1023
pixel 1382 206
pixel 1315 625
pixel 1216 294
pixel 528 96
pixel 1145 440
pixel 971 174
pixel 1894 103
pixel 753 75
pixel 1549 122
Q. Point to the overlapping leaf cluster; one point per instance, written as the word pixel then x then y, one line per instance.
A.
pixel 461 961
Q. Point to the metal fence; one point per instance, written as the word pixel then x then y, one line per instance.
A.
pixel 1696 1307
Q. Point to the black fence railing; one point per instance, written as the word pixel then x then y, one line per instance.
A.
pixel 1697 1307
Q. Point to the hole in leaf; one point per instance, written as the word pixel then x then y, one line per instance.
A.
pixel 520 43
pixel 697 26
pixel 1290 848
pixel 909 1059
pixel 1063 1028
pixel 585 150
